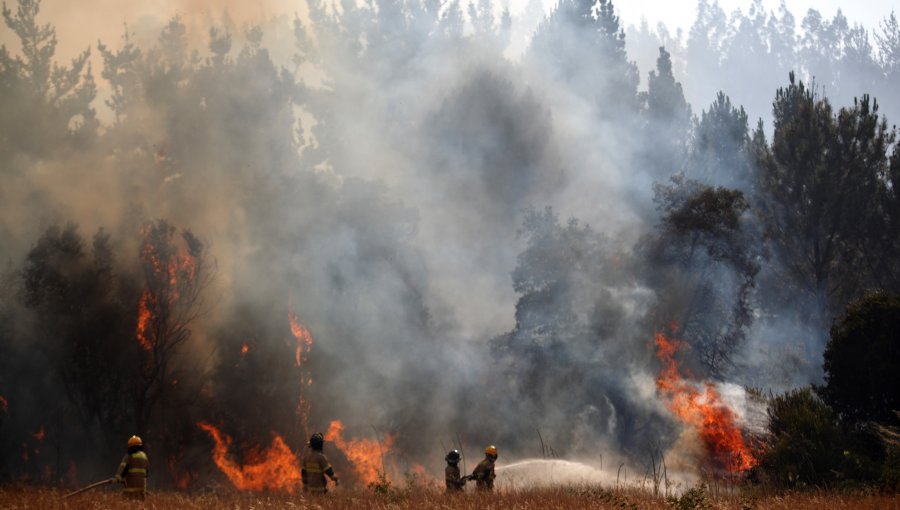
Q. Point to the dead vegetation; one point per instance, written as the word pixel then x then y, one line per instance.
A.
pixel 543 499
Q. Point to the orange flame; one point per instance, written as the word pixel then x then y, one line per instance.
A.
pixel 144 316
pixel 301 333
pixel 4 404
pixel 304 345
pixel 365 454
pixel 179 267
pixel 714 421
pixel 275 469
pixel 39 435
pixel 182 480
pixel 245 349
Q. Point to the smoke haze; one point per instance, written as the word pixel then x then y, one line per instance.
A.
pixel 478 235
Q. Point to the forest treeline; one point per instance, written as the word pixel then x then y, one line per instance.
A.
pixel 381 186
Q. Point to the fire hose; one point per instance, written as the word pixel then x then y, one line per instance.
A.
pixel 89 487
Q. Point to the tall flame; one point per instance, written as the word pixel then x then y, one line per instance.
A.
pixel 365 454
pixel 144 316
pixel 304 346
pixel 275 469
pixel 180 266
pixel 301 333
pixel 715 423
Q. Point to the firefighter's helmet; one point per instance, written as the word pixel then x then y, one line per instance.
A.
pixel 452 457
pixel 316 441
pixel 491 451
pixel 135 441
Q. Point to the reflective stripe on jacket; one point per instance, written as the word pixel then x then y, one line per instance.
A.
pixel 134 470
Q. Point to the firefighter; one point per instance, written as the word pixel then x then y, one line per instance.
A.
pixel 451 474
pixel 316 466
pixel 484 471
pixel 134 469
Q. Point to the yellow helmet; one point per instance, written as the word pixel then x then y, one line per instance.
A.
pixel 134 441
pixel 491 450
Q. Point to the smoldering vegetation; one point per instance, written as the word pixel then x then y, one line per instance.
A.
pixel 480 246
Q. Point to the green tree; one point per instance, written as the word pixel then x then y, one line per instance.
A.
pixel 817 189
pixel 706 267
pixel 805 445
pixel 667 118
pixel 54 100
pixel 719 154
pixel 583 45
pixel 889 46
pixel 82 319
pixel 862 361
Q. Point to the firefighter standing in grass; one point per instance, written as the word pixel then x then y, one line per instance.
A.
pixel 484 471
pixel 451 473
pixel 134 469
pixel 316 466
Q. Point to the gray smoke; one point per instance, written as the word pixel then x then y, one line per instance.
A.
pixel 465 235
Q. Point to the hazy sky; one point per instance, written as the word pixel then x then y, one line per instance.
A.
pixel 80 24
pixel 681 13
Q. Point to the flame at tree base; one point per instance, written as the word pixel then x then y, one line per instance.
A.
pixel 715 423
pixel 366 455
pixel 275 469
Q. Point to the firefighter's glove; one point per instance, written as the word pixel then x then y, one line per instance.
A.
pixel 119 479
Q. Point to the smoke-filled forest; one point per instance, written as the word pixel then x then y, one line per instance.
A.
pixel 419 225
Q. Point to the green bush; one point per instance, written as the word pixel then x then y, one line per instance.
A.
pixel 805 446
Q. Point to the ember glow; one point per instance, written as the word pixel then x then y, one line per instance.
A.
pixel 4 404
pixel 365 454
pixel 143 322
pixel 244 349
pixel 40 434
pixel 301 333
pixel 179 269
pixel 304 346
pixel 274 469
pixel 703 410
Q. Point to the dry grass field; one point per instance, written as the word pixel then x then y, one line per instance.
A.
pixel 540 499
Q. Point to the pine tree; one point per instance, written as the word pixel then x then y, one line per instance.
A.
pixel 54 100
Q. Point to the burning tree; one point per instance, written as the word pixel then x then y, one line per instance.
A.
pixel 175 273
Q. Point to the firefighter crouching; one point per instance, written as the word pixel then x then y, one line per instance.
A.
pixel 134 469
pixel 484 471
pixel 451 473
pixel 316 466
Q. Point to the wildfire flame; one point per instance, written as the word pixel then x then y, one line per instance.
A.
pixel 4 404
pixel 245 349
pixel 365 454
pixel 179 267
pixel 40 434
pixel 304 345
pixel 275 469
pixel 301 333
pixel 182 480
pixel 704 410
pixel 143 323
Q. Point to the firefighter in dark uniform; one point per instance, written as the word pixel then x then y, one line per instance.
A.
pixel 134 469
pixel 451 474
pixel 484 471
pixel 316 466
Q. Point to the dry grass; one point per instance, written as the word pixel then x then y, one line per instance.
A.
pixel 538 499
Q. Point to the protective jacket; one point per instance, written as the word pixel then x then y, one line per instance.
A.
pixel 133 471
pixel 452 478
pixel 312 473
pixel 484 475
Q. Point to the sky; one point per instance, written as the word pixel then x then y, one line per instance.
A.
pixel 681 13
pixel 80 24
